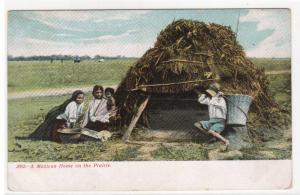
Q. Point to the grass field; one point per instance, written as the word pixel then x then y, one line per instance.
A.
pixel 271 64
pixel 28 75
pixel 24 115
pixel 31 75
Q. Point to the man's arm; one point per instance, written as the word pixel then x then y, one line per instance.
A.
pixel 203 99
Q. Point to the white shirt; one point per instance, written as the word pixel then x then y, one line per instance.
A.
pixel 72 112
pixel 216 106
pixel 98 110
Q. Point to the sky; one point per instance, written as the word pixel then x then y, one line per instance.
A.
pixel 261 32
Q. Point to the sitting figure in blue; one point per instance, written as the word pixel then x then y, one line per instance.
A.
pixel 217 112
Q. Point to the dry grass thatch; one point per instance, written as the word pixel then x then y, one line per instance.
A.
pixel 191 54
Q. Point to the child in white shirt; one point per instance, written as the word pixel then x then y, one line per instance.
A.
pixel 217 112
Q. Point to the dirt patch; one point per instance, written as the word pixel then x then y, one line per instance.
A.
pixel 191 135
pixel 278 145
pixel 229 155
pixel 267 154
pixel 146 151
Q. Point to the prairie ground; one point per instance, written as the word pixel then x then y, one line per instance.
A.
pixel 25 114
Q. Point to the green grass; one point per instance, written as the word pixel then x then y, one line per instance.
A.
pixel 24 115
pixel 270 64
pixel 43 151
pixel 27 75
pixel 129 153
pixel 280 88
pixel 278 154
pixel 184 152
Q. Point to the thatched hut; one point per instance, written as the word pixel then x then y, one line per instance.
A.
pixel 187 55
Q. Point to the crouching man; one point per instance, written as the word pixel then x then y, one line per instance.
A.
pixel 217 112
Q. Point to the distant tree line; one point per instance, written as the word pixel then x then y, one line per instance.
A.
pixel 63 57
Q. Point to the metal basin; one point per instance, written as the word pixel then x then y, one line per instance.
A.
pixel 69 135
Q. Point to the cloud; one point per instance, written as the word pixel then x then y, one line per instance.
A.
pixel 56 25
pixel 278 44
pixel 64 35
pixel 120 15
pixel 110 37
pixel 115 37
pixel 42 47
pixel 41 43
pixel 66 38
pixel 96 16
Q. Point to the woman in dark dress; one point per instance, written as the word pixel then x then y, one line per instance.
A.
pixel 48 129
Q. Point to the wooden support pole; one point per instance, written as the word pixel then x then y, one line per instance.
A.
pixel 134 120
pixel 184 61
pixel 169 84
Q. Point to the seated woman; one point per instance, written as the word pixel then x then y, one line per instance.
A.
pixel 100 109
pixel 96 117
pixel 63 116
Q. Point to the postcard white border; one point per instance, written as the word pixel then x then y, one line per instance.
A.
pixel 158 4
pixel 150 176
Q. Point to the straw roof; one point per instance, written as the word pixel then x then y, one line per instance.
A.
pixel 191 54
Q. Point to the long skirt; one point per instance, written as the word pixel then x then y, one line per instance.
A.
pixel 97 126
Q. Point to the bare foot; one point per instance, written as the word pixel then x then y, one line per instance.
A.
pixel 226 142
pixel 225 146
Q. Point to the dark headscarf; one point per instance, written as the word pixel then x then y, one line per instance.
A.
pixel 44 130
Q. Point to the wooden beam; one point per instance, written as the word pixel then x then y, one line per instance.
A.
pixel 184 61
pixel 134 120
pixel 168 84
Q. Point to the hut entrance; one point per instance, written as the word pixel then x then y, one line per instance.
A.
pixel 175 115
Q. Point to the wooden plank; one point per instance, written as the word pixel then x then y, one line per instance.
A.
pixel 184 61
pixel 168 84
pixel 134 120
